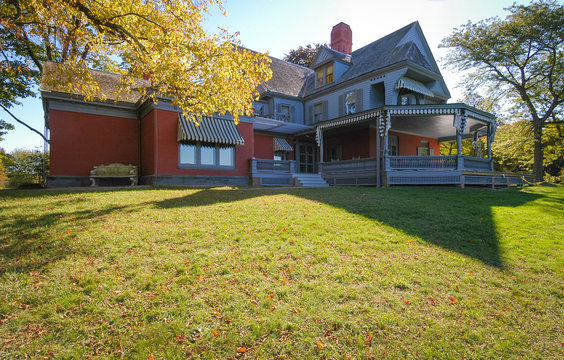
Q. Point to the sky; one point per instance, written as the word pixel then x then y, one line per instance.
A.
pixel 277 26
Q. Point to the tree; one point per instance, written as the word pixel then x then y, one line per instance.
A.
pixel 513 148
pixel 4 127
pixel 303 55
pixel 161 39
pixel 26 168
pixel 519 58
pixel 3 176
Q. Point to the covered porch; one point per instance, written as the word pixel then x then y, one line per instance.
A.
pixel 410 145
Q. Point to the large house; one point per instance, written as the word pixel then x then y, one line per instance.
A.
pixel 373 116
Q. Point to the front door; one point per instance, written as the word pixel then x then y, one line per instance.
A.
pixel 307 158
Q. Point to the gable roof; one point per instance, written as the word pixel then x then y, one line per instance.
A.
pixel 326 53
pixel 391 49
pixel 287 78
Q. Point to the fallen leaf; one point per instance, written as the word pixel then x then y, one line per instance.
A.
pixel 215 333
pixel 319 345
pixel 241 349
pixel 367 340
pixel 180 338
pixel 452 301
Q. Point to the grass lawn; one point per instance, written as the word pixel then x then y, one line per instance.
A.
pixel 337 273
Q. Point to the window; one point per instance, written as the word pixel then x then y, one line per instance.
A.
pixel 407 98
pixel 317 112
pixel 207 155
pixel 423 150
pixel 280 155
pixel 324 75
pixel 319 75
pixel 198 155
pixel 188 154
pixel 227 156
pixel 284 113
pixel 350 102
pixel 329 74
pixel 393 148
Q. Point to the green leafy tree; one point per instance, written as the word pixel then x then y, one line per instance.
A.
pixel 163 39
pixel 519 58
pixel 26 168
pixel 4 127
pixel 3 176
pixel 513 148
pixel 303 55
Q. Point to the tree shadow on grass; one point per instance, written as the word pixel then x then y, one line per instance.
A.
pixel 23 235
pixel 460 220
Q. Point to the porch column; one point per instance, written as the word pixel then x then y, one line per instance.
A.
pixel 320 145
pixel 459 123
pixel 378 162
pixel 489 142
pixel 388 125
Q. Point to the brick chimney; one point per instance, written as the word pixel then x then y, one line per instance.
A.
pixel 341 38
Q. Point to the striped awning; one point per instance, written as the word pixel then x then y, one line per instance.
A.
pixel 413 85
pixel 210 130
pixel 282 145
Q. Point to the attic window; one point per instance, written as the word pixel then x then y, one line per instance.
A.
pixel 319 75
pixel 324 75
pixel 329 74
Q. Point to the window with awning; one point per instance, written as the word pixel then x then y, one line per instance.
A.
pixel 210 144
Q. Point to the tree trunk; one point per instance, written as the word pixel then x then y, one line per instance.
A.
pixel 538 156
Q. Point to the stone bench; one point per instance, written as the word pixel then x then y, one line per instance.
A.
pixel 114 171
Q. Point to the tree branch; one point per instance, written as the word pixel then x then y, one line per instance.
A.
pixel 99 22
pixel 24 124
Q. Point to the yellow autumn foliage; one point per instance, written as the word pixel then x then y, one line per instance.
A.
pixel 162 39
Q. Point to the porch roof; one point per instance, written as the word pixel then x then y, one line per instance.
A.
pixel 277 126
pixel 434 121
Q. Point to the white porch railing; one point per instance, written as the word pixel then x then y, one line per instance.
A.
pixel 421 162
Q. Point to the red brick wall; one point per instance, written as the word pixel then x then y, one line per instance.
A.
pixel 264 147
pixel 408 144
pixel 148 144
pixel 167 148
pixel 81 141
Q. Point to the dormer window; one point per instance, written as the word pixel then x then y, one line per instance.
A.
pixel 329 74
pixel 324 75
pixel 320 76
